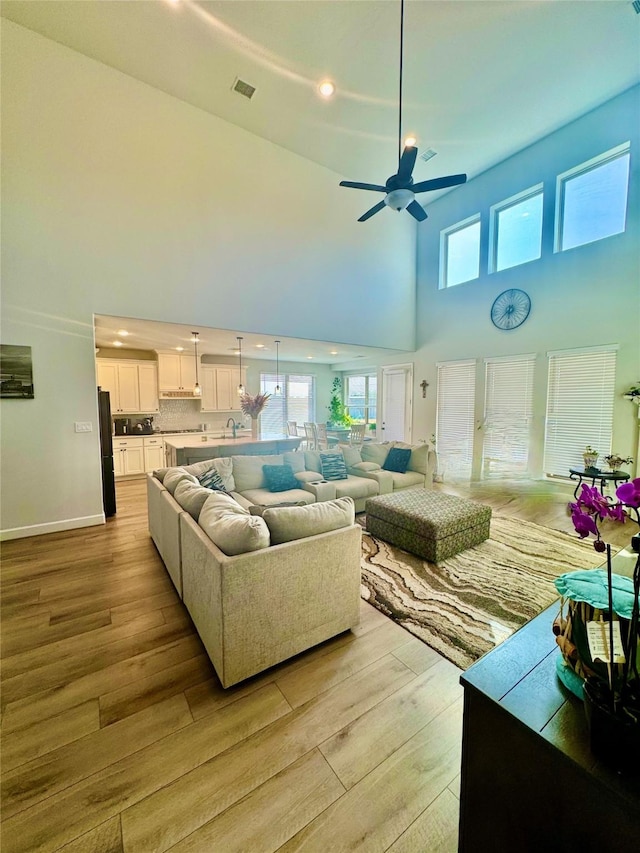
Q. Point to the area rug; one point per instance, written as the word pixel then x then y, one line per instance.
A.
pixel 471 602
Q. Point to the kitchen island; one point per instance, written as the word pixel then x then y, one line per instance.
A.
pixel 187 449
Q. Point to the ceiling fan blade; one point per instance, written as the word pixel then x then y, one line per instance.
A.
pixel 417 211
pixel 357 186
pixel 407 162
pixel 369 213
pixel 439 183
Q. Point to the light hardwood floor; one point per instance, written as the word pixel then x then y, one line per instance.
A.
pixel 116 735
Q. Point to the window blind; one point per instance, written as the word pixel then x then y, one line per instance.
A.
pixel 579 407
pixel 508 413
pixel 455 417
pixel 296 402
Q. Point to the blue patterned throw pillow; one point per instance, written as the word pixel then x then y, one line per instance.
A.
pixel 333 466
pixel 280 478
pixel 397 460
pixel 211 479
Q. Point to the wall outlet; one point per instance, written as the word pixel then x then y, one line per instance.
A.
pixel 84 426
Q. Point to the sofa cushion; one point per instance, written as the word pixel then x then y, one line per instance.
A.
pixel 308 476
pixel 224 467
pixel 248 473
pixel 419 456
pixel 295 459
pixel 312 460
pixel 371 451
pixel 174 476
pixel 231 527
pixel 333 466
pixel 266 498
pixel 258 509
pixel 352 456
pixel 297 522
pixel 406 480
pixel 191 497
pixel 211 479
pixel 279 478
pixel 356 487
pixel 366 466
pixel 397 460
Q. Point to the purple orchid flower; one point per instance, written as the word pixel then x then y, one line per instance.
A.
pixel 591 499
pixel 584 524
pixel 629 493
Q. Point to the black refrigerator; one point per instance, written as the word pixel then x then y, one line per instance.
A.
pixel 106 454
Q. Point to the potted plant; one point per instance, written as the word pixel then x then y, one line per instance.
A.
pixel 590 457
pixel 614 461
pixel 599 635
pixel 337 413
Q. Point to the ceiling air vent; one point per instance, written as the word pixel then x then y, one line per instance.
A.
pixel 243 88
pixel 428 154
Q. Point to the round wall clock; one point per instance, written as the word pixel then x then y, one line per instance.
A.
pixel 510 309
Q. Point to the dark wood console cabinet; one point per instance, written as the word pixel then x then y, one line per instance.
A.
pixel 529 781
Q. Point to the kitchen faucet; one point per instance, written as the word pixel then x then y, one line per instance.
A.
pixel 234 425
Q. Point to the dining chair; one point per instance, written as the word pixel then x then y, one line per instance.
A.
pixel 356 434
pixel 311 438
pixel 322 442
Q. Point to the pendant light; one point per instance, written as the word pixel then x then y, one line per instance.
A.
pixel 240 385
pixel 197 390
pixel 278 389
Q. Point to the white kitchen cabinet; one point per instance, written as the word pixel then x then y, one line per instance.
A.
pixel 176 373
pixel 153 453
pixel 148 385
pixel 220 388
pixel 132 385
pixel 128 456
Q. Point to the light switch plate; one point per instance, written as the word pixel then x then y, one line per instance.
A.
pixel 84 426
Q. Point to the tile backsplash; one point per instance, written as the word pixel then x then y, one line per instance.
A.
pixel 186 414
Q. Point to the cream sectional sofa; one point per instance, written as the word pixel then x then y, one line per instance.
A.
pixel 259 588
pixel 243 476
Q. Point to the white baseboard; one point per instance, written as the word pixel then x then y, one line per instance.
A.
pixel 51 527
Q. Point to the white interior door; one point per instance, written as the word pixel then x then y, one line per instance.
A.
pixel 395 417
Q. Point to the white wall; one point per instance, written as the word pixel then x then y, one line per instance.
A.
pixel 119 199
pixel 584 297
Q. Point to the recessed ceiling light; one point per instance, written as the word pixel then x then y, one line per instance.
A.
pixel 180 349
pixel 259 346
pixel 410 141
pixel 118 344
pixel 326 88
pixel 333 352
pixel 309 356
pixel 123 333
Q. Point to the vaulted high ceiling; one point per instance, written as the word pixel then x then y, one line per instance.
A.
pixel 482 79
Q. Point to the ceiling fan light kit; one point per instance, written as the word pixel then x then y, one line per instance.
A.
pixel 400 191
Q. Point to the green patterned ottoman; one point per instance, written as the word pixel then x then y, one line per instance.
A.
pixel 432 525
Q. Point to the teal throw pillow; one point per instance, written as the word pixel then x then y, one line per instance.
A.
pixel 397 460
pixel 333 466
pixel 211 479
pixel 279 478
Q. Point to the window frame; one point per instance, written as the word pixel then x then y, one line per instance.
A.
pixel 367 405
pixel 507 378
pixel 582 169
pixel 445 234
pixel 455 416
pixel 284 379
pixel 494 227
pixel 584 416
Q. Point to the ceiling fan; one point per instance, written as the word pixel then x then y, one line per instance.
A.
pixel 400 191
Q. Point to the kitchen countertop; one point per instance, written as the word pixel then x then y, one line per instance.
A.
pixel 180 441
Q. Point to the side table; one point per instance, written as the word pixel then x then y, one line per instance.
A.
pixel 529 781
pixel 594 474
